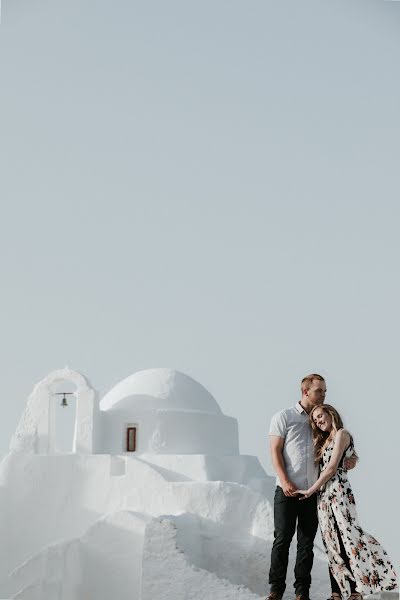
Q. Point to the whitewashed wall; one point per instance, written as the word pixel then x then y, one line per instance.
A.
pixel 170 432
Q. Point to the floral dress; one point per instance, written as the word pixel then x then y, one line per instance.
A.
pixel 371 569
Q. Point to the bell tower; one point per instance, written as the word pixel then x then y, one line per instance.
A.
pixel 36 431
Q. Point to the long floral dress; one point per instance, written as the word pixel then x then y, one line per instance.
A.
pixel 371 569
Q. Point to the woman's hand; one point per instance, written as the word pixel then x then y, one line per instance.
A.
pixel 304 494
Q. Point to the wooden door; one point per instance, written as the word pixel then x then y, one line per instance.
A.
pixel 131 439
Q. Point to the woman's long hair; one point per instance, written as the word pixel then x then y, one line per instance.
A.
pixel 322 438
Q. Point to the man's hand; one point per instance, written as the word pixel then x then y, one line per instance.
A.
pixel 288 488
pixel 350 463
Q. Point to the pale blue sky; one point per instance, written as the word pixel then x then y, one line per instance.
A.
pixel 213 187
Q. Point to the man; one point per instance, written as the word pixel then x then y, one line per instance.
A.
pixel 292 453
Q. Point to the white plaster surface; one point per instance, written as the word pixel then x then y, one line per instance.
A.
pixel 160 388
pixel 72 523
pixel 170 432
pixel 173 413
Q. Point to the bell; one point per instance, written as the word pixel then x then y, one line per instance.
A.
pixel 64 401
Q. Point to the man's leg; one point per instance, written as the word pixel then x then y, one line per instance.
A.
pixel 285 514
pixel 307 526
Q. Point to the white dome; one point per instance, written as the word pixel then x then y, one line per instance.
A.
pixel 163 389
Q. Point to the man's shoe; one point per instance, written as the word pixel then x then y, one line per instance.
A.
pixel 274 596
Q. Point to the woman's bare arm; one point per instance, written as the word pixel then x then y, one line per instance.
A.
pixel 342 440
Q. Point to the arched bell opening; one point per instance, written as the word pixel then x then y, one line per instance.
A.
pixel 63 402
pixel 58 416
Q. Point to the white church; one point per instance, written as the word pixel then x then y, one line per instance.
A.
pixel 151 500
pixel 158 411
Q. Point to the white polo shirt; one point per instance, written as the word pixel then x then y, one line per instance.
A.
pixel 293 425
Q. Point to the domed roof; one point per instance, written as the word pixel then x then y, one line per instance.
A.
pixel 164 389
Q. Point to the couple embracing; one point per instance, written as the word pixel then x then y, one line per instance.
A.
pixel 311 453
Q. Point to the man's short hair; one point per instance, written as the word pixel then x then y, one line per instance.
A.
pixel 306 382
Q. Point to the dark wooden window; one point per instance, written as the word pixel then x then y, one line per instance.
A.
pixel 131 439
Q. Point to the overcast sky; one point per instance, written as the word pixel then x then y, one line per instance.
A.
pixel 212 187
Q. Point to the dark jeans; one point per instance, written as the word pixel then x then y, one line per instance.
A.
pixel 287 512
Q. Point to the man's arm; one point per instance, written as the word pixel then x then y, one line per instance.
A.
pixel 350 463
pixel 276 446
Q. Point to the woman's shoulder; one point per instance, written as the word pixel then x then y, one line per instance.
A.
pixel 343 436
pixel 342 431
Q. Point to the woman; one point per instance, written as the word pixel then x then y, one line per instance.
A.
pixel 357 562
